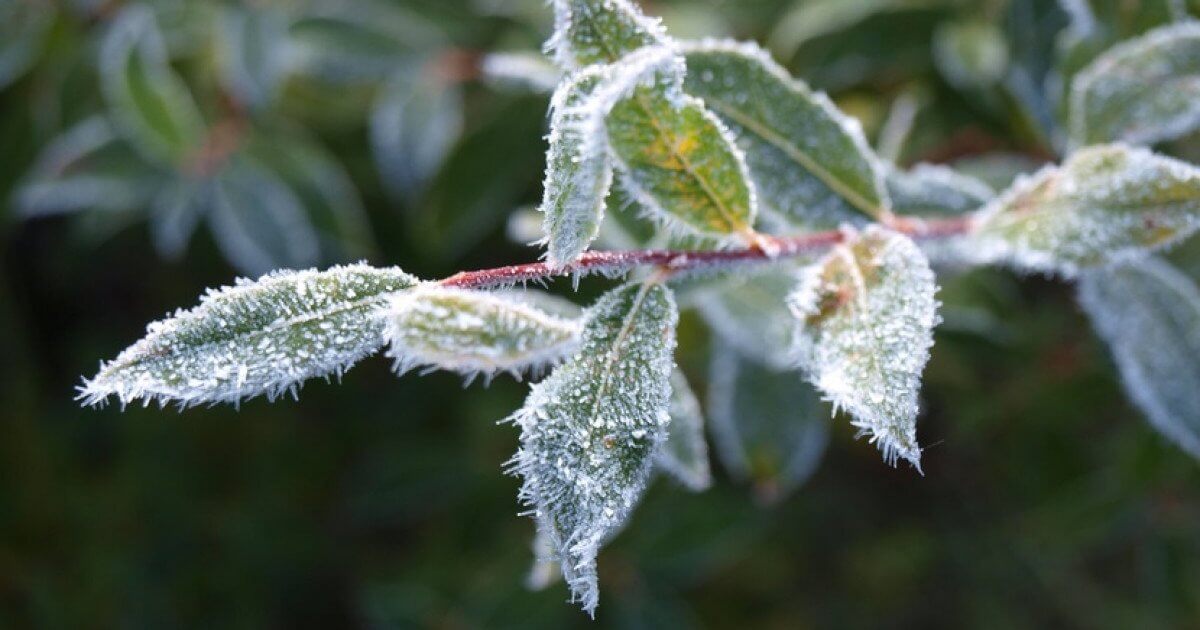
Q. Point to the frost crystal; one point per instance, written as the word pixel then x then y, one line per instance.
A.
pixel 866 315
pixel 1149 313
pixel 1141 91
pixel 256 337
pixel 473 332
pixel 1105 203
pixel 591 430
pixel 600 31
pixel 768 428
pixel 685 453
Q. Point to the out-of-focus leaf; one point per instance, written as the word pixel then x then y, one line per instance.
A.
pixel 750 314
pixel 600 31
pixel 253 55
pixel 810 163
pixel 1149 313
pixel 474 332
pixel 343 42
pixel 257 337
pixel 1104 203
pixel 415 121
pixel 814 18
pixel 520 70
pixel 23 30
pixel 175 213
pixel 151 105
pixel 684 455
pixel 970 54
pixel 1141 91
pixel 933 190
pixel 591 430
pixel 997 170
pixel 258 221
pixel 768 428
pixel 866 316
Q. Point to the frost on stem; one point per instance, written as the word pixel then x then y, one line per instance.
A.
pixel 684 455
pixel 600 31
pixel 1149 313
pixel 473 332
pixel 866 314
pixel 1105 203
pixel 590 431
pixel 256 337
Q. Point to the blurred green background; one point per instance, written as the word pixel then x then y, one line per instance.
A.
pixel 380 503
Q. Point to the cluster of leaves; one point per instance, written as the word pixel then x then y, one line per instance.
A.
pixel 715 146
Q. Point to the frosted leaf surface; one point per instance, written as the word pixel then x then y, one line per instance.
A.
pixel 1142 91
pixel 810 162
pixel 866 316
pixel 684 456
pixel 768 428
pixel 750 313
pixel 258 221
pixel 1149 314
pixel 256 337
pixel 578 165
pixel 415 121
pixel 933 190
pixel 600 31
pixel 1104 203
pixel 591 430
pixel 473 332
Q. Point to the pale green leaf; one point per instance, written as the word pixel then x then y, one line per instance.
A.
pixel 933 190
pixel 591 430
pixel 600 31
pixel 252 53
pixel 258 221
pixel 970 54
pixel 24 27
pixel 750 314
pixel 866 316
pixel 684 455
pixel 257 337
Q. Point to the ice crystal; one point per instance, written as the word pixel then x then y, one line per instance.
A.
pixel 591 430
pixel 684 455
pixel 256 337
pixel 1104 203
pixel 1149 313
pixel 866 314
pixel 600 31
pixel 474 332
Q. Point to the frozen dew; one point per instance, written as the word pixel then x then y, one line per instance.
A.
pixel 587 32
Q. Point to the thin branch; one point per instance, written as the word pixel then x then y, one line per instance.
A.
pixel 676 261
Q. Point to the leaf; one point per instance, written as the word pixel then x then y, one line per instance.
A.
pixel 520 71
pixel 600 31
pixel 174 215
pixel 253 55
pixel 932 190
pixel 750 314
pixel 578 166
pixel 1149 314
pixel 768 428
pixel 810 163
pixel 474 332
pixel 24 27
pixel 970 54
pixel 591 430
pixel 149 102
pixel 684 454
pixel 1104 203
pixel 347 42
pixel 256 337
pixel 1142 91
pixel 866 315
pixel 415 121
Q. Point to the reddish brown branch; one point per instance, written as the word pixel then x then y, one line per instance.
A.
pixel 674 261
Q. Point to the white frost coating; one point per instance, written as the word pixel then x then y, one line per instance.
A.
pixel 579 23
pixel 578 162
pixel 591 430
pixel 684 455
pixel 867 314
pixel 257 337
pixel 474 332
pixel 544 570
pixel 1142 91
pixel 1149 313
pixel 526 70
pixel 1105 203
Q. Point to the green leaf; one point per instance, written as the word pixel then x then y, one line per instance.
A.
pixel 768 429
pixel 750 314
pixel 600 31
pixel 970 54
pixel 256 337
pixel 591 430
pixel 474 332
pixel 866 315
pixel 684 455
pixel 149 102
pixel 346 42
pixel 1104 203
pixel 933 190
pixel 252 53
pixel 810 163
pixel 1142 91
pixel 1149 313
pixel 24 27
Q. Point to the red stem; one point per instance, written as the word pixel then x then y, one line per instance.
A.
pixel 674 261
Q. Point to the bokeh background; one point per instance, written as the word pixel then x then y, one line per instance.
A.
pixel 373 129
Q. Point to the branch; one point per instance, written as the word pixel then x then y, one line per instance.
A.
pixel 770 248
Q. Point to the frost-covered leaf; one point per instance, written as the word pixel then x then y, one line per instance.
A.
pixel 520 70
pixel 23 30
pixel 1142 91
pixel 256 337
pixel 970 54
pixel 578 165
pixel 750 314
pixel 600 31
pixel 768 428
pixel 684 455
pixel 810 163
pixel 1149 313
pixel 415 121
pixel 1104 203
pixel 544 570
pixel 258 221
pixel 932 190
pixel 253 55
pixel 474 332
pixel 866 316
pixel 150 103
pixel 591 430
